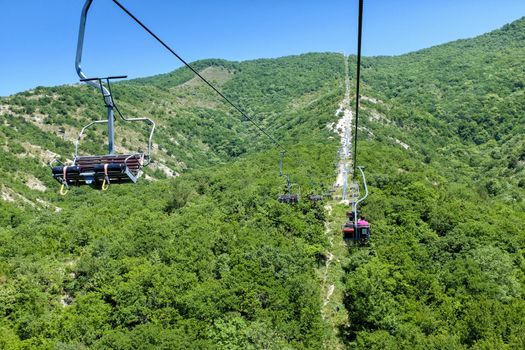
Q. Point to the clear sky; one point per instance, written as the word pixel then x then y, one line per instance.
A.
pixel 38 38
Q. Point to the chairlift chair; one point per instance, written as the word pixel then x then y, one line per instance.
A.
pixel 101 170
pixel 356 232
pixel 289 197
pixel 315 197
pixel 354 229
pixel 329 193
pixel 313 184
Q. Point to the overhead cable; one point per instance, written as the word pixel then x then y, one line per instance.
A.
pixel 237 108
pixel 359 31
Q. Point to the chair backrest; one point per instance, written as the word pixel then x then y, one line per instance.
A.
pixel 133 162
pixel 288 198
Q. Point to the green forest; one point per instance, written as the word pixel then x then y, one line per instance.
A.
pixel 201 255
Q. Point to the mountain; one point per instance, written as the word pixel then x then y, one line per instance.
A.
pixel 194 127
pixel 466 96
pixel 209 259
pixel 441 139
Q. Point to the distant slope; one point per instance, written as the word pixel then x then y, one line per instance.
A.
pixel 473 88
pixel 195 127
pixel 459 104
pixel 442 141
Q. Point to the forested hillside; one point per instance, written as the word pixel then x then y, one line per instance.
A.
pixel 209 259
pixel 442 141
pixel 465 99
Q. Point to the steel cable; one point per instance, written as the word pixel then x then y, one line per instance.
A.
pixel 359 32
pixel 238 109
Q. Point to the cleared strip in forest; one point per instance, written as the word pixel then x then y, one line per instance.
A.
pixel 333 310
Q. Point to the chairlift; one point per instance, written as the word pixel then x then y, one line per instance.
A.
pixel 111 168
pixel 325 193
pixel 357 229
pixel 288 197
pixel 314 197
pixel 328 192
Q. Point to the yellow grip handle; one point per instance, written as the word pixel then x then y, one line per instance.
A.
pixel 62 192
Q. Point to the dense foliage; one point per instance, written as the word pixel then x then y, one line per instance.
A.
pixel 446 266
pixel 207 260
pixel 210 259
pixel 443 148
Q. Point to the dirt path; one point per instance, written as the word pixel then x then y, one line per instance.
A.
pixel 332 273
pixel 328 288
pixel 344 129
pixel 331 277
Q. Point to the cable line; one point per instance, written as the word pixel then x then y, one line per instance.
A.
pixel 360 30
pixel 238 109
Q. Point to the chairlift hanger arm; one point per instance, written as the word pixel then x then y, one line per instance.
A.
pixel 364 184
pixel 78 61
pixel 215 89
pixel 288 183
pixel 281 163
pixel 358 81
pixel 366 192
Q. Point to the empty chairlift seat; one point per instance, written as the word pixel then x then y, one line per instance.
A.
pixel 288 198
pixel 315 198
pixel 93 170
pixel 348 231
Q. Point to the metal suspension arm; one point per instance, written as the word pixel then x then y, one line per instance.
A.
pixel 298 190
pixel 364 184
pixel 150 138
pixel 78 60
pixel 362 198
pixel 288 183
pixel 281 163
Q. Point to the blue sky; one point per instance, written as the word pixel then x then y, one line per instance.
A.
pixel 38 38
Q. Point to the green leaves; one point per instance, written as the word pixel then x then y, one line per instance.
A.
pixel 209 258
